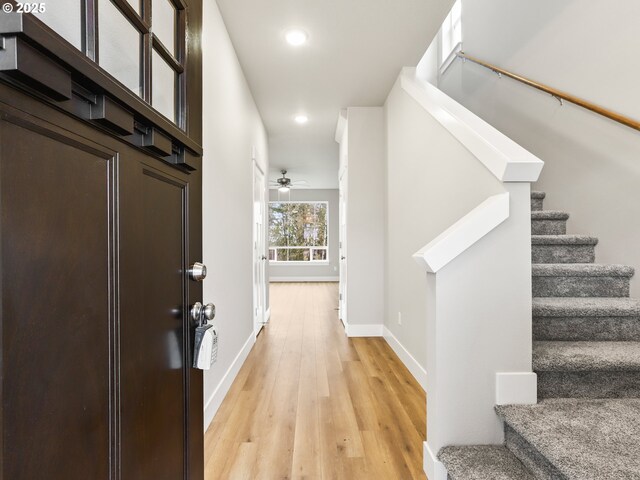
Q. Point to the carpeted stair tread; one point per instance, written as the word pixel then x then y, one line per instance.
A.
pixel 563 240
pixel 539 195
pixel 549 215
pixel 585 307
pixel 551 356
pixel 583 439
pixel 580 270
pixel 482 462
pixel 557 247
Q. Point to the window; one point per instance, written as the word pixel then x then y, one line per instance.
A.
pixel 451 35
pixel 65 18
pixel 298 231
pixel 139 42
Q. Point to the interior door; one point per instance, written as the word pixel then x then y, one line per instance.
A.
pixel 342 307
pixel 100 219
pixel 259 249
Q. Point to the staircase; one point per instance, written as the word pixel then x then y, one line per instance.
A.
pixel 586 354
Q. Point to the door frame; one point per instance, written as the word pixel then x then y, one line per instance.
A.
pixel 260 317
pixel 342 246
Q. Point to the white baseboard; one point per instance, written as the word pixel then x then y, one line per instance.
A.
pixel 516 388
pixel 371 330
pixel 215 400
pixel 303 279
pixel 433 468
pixel 419 373
pixel 267 315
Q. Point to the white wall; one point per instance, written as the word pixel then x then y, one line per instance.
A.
pixel 232 126
pixel 323 272
pixel 584 47
pixel 365 215
pixel 432 181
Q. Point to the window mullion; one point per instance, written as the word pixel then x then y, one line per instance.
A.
pixel 128 11
pixel 146 67
pixel 181 56
pixel 90 29
pixel 146 51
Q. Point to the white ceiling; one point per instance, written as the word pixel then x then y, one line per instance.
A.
pixel 355 51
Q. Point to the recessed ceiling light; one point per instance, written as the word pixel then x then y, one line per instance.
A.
pixel 296 37
pixel 301 119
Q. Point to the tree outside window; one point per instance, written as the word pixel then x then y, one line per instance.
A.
pixel 298 232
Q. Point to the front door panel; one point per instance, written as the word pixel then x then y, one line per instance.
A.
pixel 56 315
pixel 154 352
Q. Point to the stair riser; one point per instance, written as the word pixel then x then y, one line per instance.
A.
pixel 587 329
pixel 548 227
pixel 537 464
pixel 536 204
pixel 580 286
pixel 591 384
pixel 563 253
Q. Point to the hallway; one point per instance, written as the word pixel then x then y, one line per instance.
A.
pixel 311 403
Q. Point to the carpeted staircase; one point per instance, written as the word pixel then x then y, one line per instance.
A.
pixel 586 354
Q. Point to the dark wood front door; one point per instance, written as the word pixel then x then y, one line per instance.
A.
pixel 100 218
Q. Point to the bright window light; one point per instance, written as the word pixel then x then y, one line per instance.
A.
pixel 451 34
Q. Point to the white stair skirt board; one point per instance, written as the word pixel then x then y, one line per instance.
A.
pixel 213 403
pixel 516 388
pixel 419 373
pixel 433 468
pixel 464 233
pixel 303 279
pixel 267 315
pixel 363 330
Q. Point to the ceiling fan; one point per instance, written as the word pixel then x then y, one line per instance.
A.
pixel 284 183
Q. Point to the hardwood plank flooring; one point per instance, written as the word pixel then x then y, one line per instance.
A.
pixel 310 403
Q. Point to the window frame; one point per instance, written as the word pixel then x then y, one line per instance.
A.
pixel 446 59
pixel 150 42
pixel 143 23
pixel 327 261
pixel 87 92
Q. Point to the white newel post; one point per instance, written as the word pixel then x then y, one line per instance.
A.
pixel 478 323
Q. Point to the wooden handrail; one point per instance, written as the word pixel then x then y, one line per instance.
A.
pixel 560 95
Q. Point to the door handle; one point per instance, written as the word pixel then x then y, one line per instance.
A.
pixel 198 272
pixel 343 258
pixel 202 313
pixel 209 311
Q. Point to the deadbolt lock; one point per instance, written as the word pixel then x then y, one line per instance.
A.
pixel 198 272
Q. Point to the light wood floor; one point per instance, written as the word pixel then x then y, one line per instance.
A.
pixel 311 403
